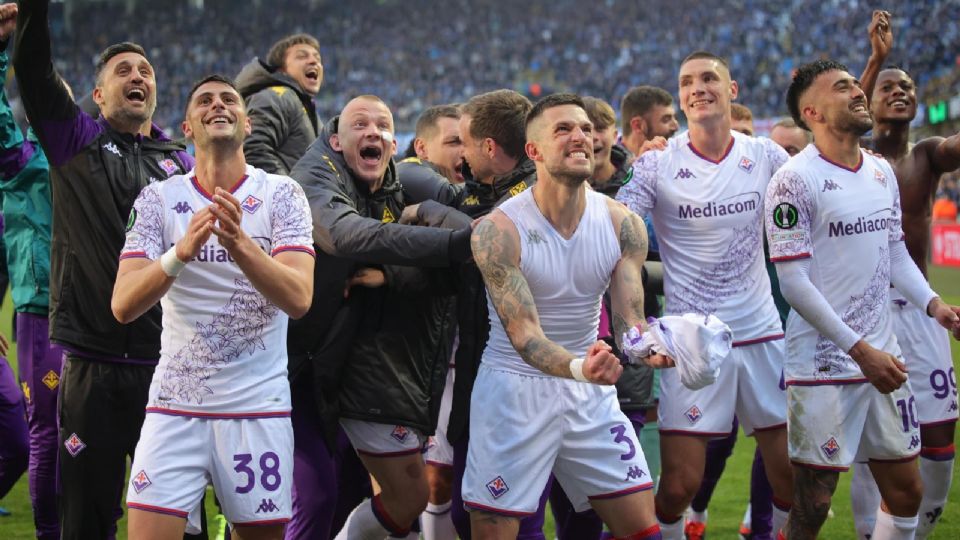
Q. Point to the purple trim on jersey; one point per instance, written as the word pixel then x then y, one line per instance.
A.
pixel 81 354
pixel 844 167
pixel 755 341
pixel 302 249
pixel 134 255
pixel 790 257
pixel 922 424
pixel 781 425
pixel 207 195
pixel 717 162
pixel 220 416
pixel 439 464
pixel 834 468
pixel 825 382
pixel 264 523
pixel 158 510
pixel 13 160
pixel 66 138
pixel 694 433
pixel 500 511
pixel 622 492
pixel 904 459
pixel 390 454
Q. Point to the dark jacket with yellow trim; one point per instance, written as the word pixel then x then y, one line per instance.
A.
pixel 381 354
pixel 283 118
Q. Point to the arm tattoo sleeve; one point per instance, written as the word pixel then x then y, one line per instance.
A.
pixel 627 284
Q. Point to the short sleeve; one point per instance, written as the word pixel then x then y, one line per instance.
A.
pixel 639 194
pixel 145 226
pixel 290 220
pixel 788 211
pixel 775 154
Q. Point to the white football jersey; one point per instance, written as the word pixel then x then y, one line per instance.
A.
pixel 709 223
pixel 843 220
pixel 223 350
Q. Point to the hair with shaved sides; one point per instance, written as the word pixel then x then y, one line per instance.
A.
pixel 638 101
pixel 600 112
pixel 499 115
pixel 704 55
pixel 788 123
pixel 740 112
pixel 549 102
pixel 216 77
pixel 427 123
pixel 803 80
pixel 114 50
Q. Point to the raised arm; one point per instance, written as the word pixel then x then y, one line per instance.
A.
pixel 14 154
pixel 880 33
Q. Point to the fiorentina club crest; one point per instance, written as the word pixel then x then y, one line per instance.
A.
pixel 251 204
pixel 140 482
pixel 168 165
pixel 880 177
pixel 497 487
pixel 830 448
pixel 693 414
pixel 746 164
pixel 400 433
pixel 74 445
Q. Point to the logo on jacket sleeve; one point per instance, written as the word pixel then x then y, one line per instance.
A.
pixel 140 482
pixel 251 204
pixel 830 448
pixel 497 487
pixel 74 445
pixel 168 165
pixel 746 164
pixel 785 215
pixel 51 379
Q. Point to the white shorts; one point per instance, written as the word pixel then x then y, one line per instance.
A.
pixel 522 428
pixel 382 440
pixel 926 351
pixel 249 463
pixel 832 425
pixel 750 385
pixel 439 451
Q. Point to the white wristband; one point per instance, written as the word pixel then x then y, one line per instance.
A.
pixel 576 369
pixel 170 263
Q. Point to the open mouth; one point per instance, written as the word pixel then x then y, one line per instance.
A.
pixel 371 154
pixel 220 120
pixel 578 154
pixel 136 94
pixel 859 106
pixel 313 74
pixel 899 104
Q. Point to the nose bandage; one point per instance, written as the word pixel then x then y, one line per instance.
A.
pixel 386 135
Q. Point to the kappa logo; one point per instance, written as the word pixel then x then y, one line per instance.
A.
pixel 693 414
pixel 914 443
pixel 830 185
pixel 684 174
pixel 746 164
pixel 51 379
pixel 880 177
pixel 168 165
pixel 112 148
pixel 497 487
pixel 140 481
pixel 534 237
pixel 900 302
pixel 400 433
pixel 267 506
pixel 953 406
pixel 182 207
pixel 74 445
pixel 471 200
pixel 634 473
pixel 830 448
pixel 251 204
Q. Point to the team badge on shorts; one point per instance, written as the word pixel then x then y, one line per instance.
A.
pixel 74 445
pixel 497 487
pixel 140 482
pixel 400 433
pixel 830 448
pixel 251 204
pixel 693 414
pixel 746 164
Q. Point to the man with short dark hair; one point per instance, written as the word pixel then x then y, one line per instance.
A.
pixel 646 112
pixel 833 220
pixel 279 95
pixel 741 119
pixel 108 366
pixel 790 136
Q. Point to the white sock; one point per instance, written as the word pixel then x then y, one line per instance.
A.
pixel 779 518
pixel 362 524
pixel 747 521
pixel 436 522
pixel 672 531
pixel 936 476
pixel 864 500
pixel 699 517
pixel 893 527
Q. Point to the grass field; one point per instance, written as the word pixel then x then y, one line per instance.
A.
pixel 726 508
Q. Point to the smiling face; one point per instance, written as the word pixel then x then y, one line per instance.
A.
pixel 302 63
pixel 603 141
pixel 705 90
pixel 562 141
pixel 661 121
pixel 894 97
pixel 365 137
pixel 216 116
pixel 126 89
pixel 836 100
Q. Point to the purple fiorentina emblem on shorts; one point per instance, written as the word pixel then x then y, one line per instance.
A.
pixel 74 445
pixel 497 487
pixel 141 482
pixel 830 448
pixel 400 433
pixel 693 414
pixel 251 204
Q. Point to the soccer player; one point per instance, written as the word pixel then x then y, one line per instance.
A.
pixel 704 194
pixel 925 345
pixel 790 136
pixel 107 366
pixel 741 119
pixel 833 220
pixel 646 112
pixel 543 369
pixel 226 250
pixel 279 95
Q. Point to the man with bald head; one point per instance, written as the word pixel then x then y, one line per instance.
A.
pixel 372 352
pixel 790 136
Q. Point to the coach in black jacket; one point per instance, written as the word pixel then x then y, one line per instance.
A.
pixel 279 95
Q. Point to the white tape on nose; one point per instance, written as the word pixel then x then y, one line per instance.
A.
pixel 386 135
